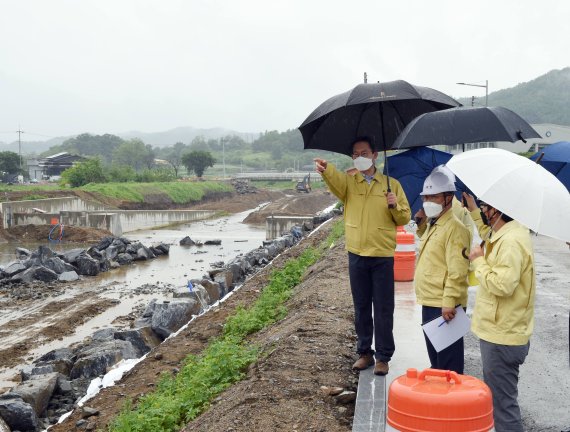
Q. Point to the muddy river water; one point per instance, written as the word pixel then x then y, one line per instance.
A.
pixel 123 284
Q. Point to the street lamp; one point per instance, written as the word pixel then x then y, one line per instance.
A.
pixel 486 86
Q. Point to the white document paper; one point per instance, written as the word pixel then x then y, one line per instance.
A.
pixel 442 334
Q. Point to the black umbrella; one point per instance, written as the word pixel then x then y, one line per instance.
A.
pixel 465 125
pixel 379 111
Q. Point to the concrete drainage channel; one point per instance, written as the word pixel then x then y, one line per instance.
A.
pixel 63 378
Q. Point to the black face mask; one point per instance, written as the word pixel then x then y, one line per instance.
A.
pixel 484 218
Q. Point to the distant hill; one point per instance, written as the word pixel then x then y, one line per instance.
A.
pixel 185 135
pixel 545 99
pixel 158 139
pixel 32 147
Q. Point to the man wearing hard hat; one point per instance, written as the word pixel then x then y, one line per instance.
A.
pixel 440 278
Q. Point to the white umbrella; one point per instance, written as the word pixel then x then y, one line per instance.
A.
pixel 518 187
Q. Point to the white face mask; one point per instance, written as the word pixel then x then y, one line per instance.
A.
pixel 432 209
pixel 362 164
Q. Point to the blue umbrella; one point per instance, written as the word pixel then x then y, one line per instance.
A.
pixel 412 167
pixel 556 159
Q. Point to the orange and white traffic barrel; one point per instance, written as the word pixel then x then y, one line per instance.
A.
pixel 404 256
pixel 439 401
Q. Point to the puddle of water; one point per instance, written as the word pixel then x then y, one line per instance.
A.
pixel 181 264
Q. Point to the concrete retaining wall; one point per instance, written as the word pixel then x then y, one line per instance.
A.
pixel 75 211
pixel 48 205
pixel 108 221
pixel 275 226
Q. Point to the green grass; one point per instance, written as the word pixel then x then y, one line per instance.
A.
pixel 178 192
pixel 181 398
pixel 28 188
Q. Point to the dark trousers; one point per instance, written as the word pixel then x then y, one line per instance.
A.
pixel 501 373
pixel 451 358
pixel 372 286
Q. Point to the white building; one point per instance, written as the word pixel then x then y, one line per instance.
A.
pixel 550 133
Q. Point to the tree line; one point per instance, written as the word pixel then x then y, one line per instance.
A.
pixel 112 158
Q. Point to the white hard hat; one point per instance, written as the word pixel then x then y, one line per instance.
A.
pixel 441 179
pixel 443 169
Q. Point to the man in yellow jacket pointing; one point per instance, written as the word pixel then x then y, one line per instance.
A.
pixel 372 210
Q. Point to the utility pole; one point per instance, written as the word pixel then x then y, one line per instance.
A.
pixel 365 77
pixel 223 155
pixel 20 132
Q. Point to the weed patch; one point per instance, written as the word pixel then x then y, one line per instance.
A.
pixel 181 398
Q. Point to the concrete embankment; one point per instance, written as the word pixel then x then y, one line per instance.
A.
pixel 77 212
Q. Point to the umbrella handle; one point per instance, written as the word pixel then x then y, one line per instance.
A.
pixel 391 206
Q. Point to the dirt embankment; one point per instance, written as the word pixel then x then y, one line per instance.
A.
pixel 312 347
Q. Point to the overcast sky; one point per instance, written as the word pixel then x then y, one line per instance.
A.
pixel 69 66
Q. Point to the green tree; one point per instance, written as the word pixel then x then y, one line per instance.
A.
pixel 134 153
pixel 90 171
pixel 198 161
pixel 121 173
pixel 9 162
pixel 174 156
pixel 89 145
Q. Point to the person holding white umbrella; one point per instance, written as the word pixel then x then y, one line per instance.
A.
pixel 503 317
pixel 517 194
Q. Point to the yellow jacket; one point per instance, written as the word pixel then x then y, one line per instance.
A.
pixel 440 279
pixel 482 229
pixel 464 217
pixel 370 226
pixel 504 306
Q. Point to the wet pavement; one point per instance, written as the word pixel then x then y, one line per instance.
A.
pixel 544 386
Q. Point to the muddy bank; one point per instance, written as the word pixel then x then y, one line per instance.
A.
pixel 39 233
pixel 310 349
pixel 293 204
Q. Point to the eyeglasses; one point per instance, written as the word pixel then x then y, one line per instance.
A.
pixel 435 197
pixel 365 154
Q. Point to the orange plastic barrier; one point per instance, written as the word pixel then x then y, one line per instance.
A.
pixel 439 401
pixel 54 221
pixel 404 256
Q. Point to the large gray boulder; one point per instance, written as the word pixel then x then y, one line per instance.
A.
pixel 214 290
pixel 68 276
pixel 198 293
pixel 71 255
pixel 37 391
pixel 104 243
pixel 18 414
pixel 226 280
pixel 87 265
pixel 111 252
pixel 143 253
pixel 168 317
pixel 13 269
pixel 40 273
pixel 124 258
pixel 120 245
pixel 59 360
pixel 22 253
pixel 58 265
pixel 143 339
pixel 43 253
pixel 95 359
